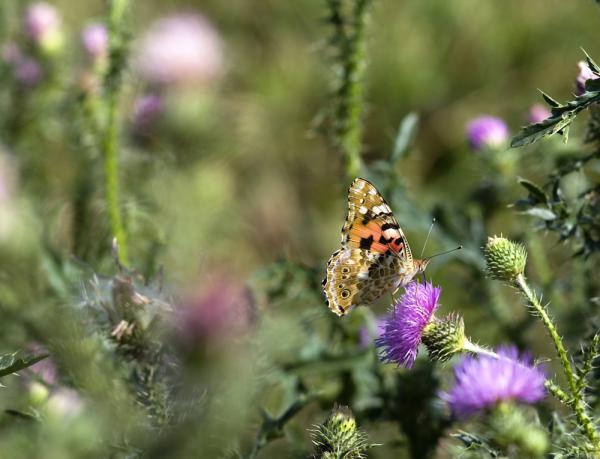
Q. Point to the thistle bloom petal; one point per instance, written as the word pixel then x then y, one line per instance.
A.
pixel 484 381
pixel 405 324
pixel 584 74
pixel 487 132
pixel 538 113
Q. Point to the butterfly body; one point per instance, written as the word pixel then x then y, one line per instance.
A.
pixel 375 257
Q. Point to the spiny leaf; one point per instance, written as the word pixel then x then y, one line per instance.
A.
pixel 591 64
pixel 549 100
pixel 561 117
pixel 535 191
pixel 9 364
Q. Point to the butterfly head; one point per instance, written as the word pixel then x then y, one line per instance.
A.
pixel 420 265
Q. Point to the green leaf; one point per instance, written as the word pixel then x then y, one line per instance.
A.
pixel 593 84
pixel 535 191
pixel 539 212
pixel 591 64
pixel 549 100
pixel 9 364
pixel 405 135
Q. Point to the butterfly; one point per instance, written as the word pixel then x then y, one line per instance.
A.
pixel 375 257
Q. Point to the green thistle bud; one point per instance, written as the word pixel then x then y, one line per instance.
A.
pixel 340 437
pixel 444 337
pixel 512 428
pixel 505 259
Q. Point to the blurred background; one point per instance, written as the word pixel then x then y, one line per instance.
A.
pixel 233 198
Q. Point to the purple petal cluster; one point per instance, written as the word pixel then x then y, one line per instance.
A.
pixel 487 132
pixel 482 382
pixel 404 326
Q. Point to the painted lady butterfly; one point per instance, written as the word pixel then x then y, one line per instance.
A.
pixel 375 257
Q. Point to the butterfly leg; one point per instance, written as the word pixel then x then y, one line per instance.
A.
pixel 423 276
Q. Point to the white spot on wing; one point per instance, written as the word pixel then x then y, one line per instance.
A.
pixel 363 210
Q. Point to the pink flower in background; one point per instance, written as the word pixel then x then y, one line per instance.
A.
pixel 94 38
pixel 538 113
pixel 147 109
pixel 180 49
pixel 219 310
pixel 28 72
pixel 487 132
pixel 43 26
pixel 584 74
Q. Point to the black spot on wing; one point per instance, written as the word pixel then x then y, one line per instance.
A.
pixel 387 226
pixel 366 242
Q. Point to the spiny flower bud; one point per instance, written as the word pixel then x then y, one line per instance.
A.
pixel 339 436
pixel 444 337
pixel 505 259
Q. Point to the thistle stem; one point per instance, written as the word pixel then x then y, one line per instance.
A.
pixel 110 140
pixel 479 350
pixel 349 109
pixel 578 404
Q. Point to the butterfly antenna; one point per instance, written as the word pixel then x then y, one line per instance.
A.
pixel 444 253
pixel 427 238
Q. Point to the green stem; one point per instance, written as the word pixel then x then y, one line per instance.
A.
pixel 349 110
pixel 110 141
pixel 479 350
pixel 578 404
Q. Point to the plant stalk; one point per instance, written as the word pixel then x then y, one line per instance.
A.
pixel 578 404
pixel 110 142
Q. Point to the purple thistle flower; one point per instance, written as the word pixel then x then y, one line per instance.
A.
pixel 404 326
pixel 40 20
pixel 482 382
pixel 94 38
pixel 147 109
pixel 28 72
pixel 487 132
pixel 585 73
pixel 179 50
pixel 43 26
pixel 538 113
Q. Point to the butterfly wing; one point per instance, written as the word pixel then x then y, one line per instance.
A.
pixel 375 257
pixel 358 276
pixel 371 225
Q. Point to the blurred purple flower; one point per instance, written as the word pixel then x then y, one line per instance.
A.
pixel 223 308
pixel 538 113
pixel 28 72
pixel 367 336
pixel 146 111
pixel 94 38
pixel 180 49
pixel 43 25
pixel 482 382
pixel 487 132
pixel 585 74
pixel 11 53
pixel 404 326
